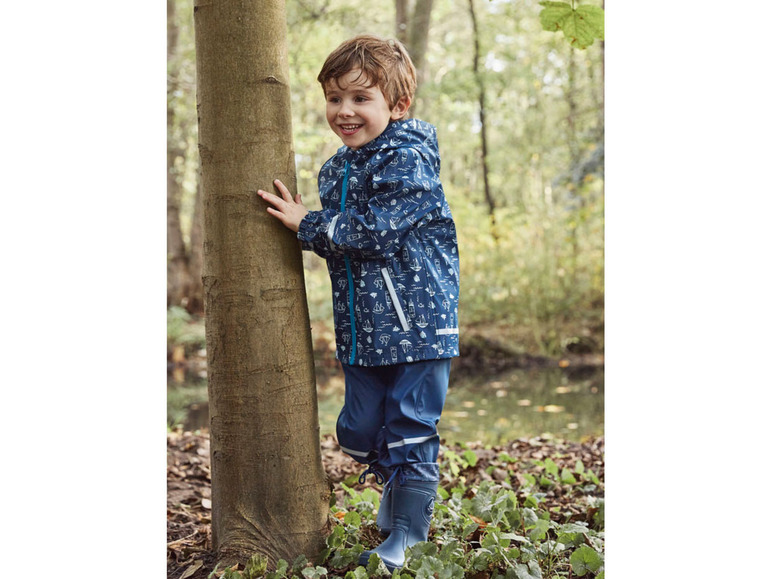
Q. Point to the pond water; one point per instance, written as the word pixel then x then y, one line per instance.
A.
pixel 566 403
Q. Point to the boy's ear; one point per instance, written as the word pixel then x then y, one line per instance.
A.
pixel 399 110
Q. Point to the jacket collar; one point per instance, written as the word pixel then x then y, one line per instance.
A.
pixel 412 130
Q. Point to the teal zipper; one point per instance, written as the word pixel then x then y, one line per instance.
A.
pixel 349 275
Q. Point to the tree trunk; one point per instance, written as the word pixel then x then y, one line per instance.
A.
pixel 413 31
pixel 177 275
pixel 419 37
pixel 483 125
pixel 401 30
pixel 269 490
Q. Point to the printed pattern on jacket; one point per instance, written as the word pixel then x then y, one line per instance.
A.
pixel 389 239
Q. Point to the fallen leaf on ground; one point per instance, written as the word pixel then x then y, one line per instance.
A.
pixel 192 569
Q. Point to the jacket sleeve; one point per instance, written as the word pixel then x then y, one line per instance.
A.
pixel 404 189
pixel 312 232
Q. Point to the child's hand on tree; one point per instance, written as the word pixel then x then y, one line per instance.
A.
pixel 290 212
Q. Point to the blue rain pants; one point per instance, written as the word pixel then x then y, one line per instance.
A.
pixel 390 413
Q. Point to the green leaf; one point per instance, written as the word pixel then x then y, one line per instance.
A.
pixel 470 457
pixel 452 551
pixel 324 553
pixel 585 559
pixel 573 528
pixel 352 518
pixel 314 572
pixel 551 467
pixel 572 534
pixel 344 557
pixel 580 25
pixel 589 475
pixel 530 517
pixel 553 14
pixel 336 538
pixel 599 517
pixel 281 570
pixel 469 528
pixel 531 571
pixel 567 477
pixel 358 573
pixel 579 467
pixel 513 537
pixel 350 481
pixel 376 568
pixel 299 563
pixel 492 539
pixel 371 495
pixel 423 549
pixel 481 559
pixel 539 530
pixel 531 501
pixel 256 567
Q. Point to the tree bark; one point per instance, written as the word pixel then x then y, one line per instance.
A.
pixel 269 490
pixel 413 31
pixel 419 37
pixel 401 27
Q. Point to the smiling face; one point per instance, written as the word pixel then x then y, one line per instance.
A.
pixel 358 113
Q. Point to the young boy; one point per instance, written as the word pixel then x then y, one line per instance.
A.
pixel 389 239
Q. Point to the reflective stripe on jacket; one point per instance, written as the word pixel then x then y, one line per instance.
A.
pixel 390 243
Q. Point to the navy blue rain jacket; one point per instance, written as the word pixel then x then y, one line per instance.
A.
pixel 390 243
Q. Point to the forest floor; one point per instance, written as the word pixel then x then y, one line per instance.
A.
pixel 485 349
pixel 189 545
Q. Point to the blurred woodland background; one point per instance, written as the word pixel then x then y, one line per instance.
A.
pixel 519 113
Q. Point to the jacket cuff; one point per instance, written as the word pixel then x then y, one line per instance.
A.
pixel 310 227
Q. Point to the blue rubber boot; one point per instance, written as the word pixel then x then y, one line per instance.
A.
pixel 383 521
pixel 385 477
pixel 412 508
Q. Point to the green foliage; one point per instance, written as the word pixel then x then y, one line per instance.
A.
pixel 552 281
pixel 314 572
pixel 586 559
pixel 280 572
pixel 488 529
pixel 581 25
pixel 184 329
pixel 256 567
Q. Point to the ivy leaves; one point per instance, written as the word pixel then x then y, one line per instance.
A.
pixel 580 25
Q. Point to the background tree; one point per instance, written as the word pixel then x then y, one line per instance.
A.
pixel 412 29
pixel 483 125
pixel 269 494
pixel 184 286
